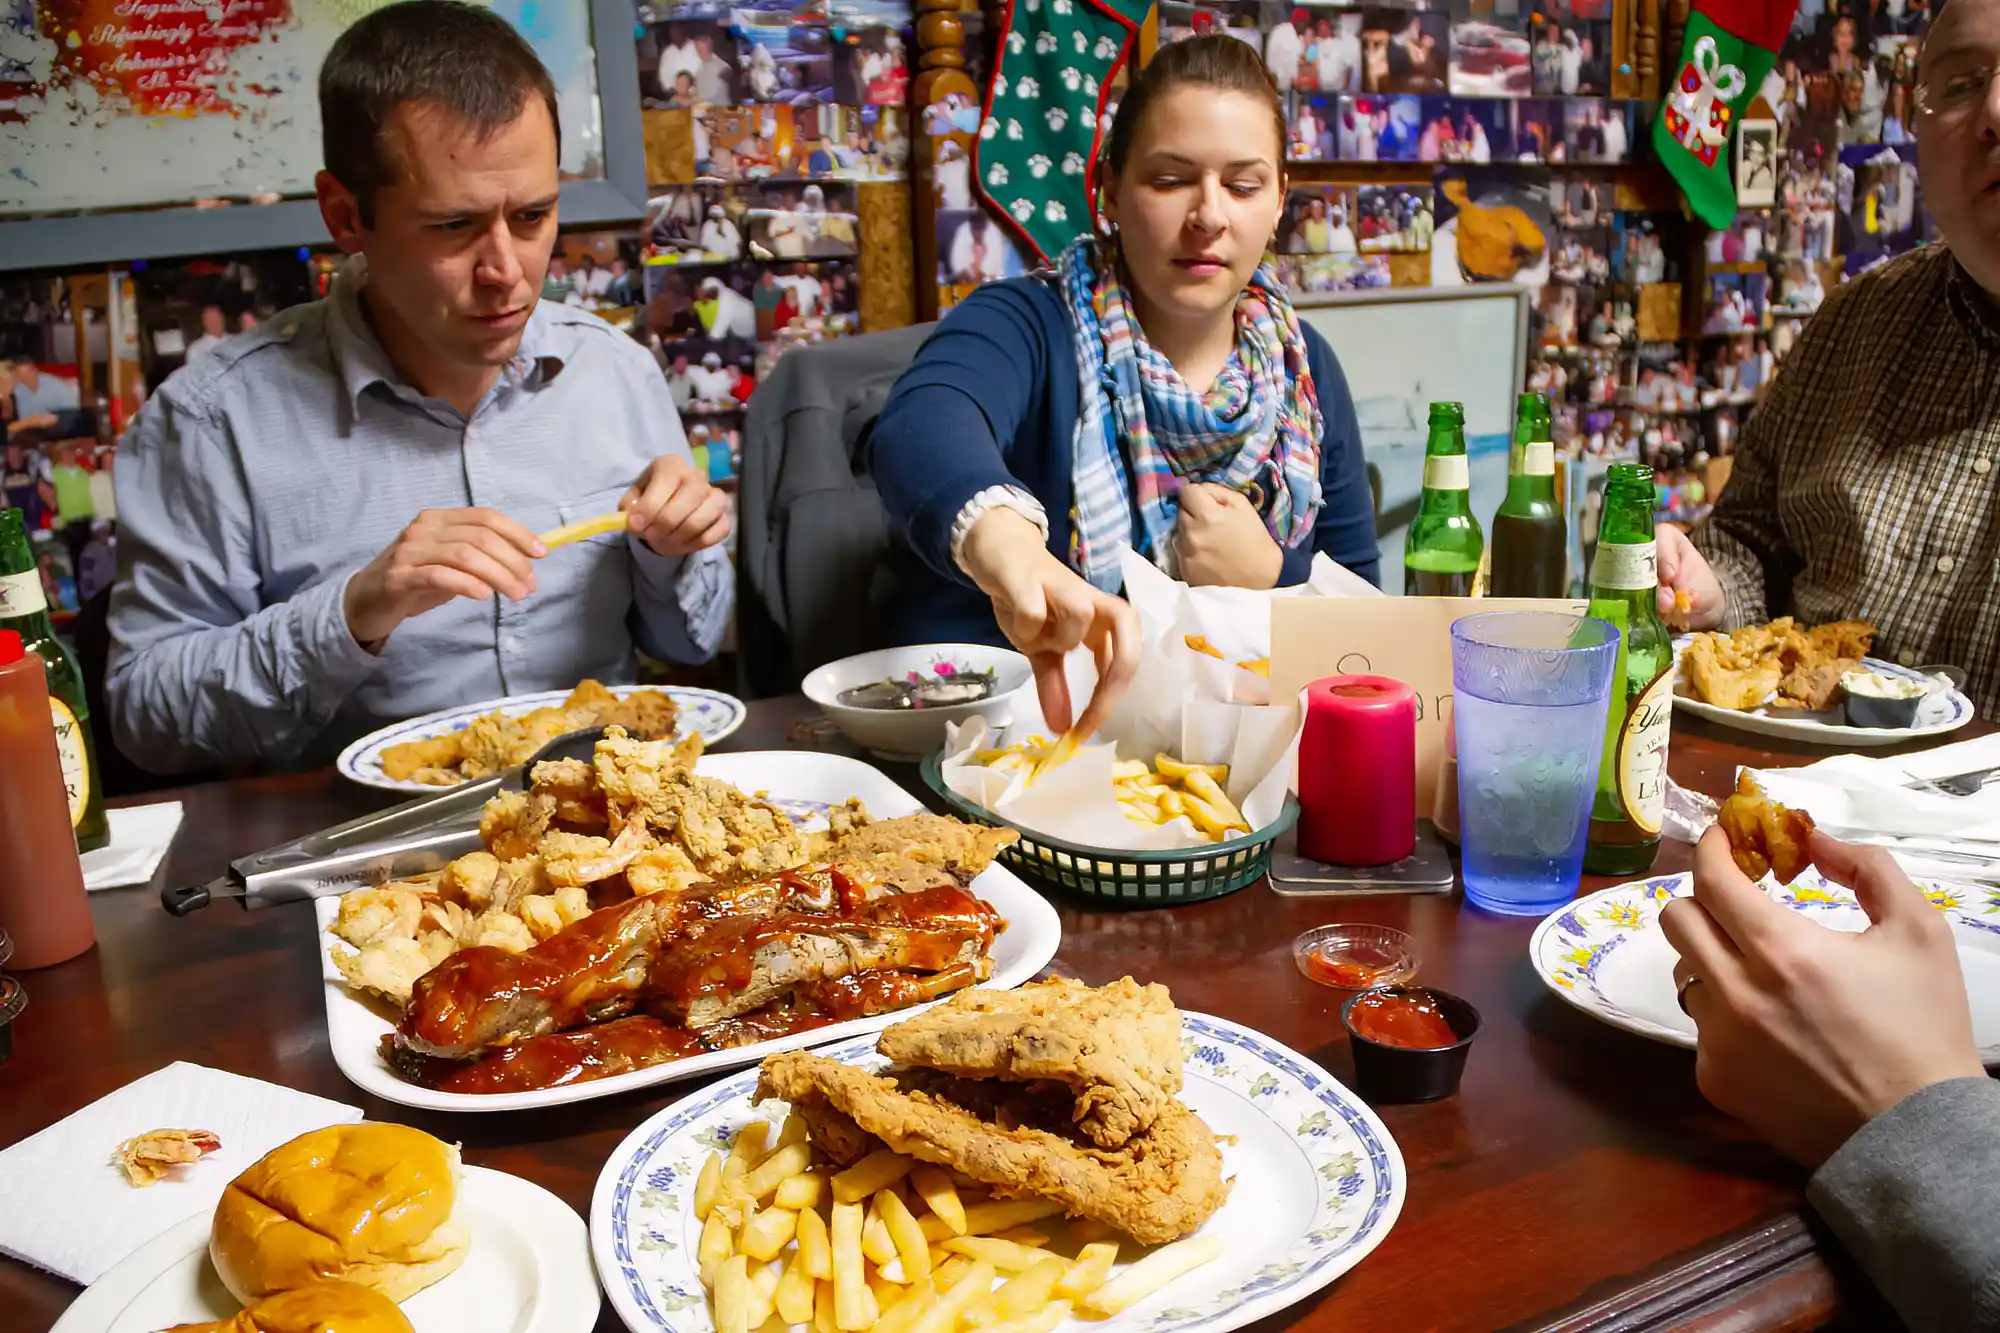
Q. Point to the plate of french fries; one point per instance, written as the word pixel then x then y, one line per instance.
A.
pixel 718 1215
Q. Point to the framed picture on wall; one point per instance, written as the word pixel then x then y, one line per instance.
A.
pixel 1757 163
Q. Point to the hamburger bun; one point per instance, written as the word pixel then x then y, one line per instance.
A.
pixel 369 1204
pixel 324 1307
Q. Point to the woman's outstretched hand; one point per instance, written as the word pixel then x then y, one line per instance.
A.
pixel 1045 609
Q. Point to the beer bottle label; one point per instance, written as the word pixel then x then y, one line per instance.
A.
pixel 1447 472
pixel 75 759
pixel 1539 460
pixel 1642 754
pixel 1625 566
pixel 21 594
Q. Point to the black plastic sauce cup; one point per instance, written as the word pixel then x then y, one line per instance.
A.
pixel 1405 1074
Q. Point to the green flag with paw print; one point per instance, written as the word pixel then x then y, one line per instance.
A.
pixel 1045 112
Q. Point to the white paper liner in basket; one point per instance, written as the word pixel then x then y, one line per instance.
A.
pixel 1182 702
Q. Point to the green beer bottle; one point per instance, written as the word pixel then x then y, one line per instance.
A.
pixel 1441 553
pixel 25 610
pixel 1631 799
pixel 1530 537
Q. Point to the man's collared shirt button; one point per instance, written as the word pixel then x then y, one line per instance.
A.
pixel 1906 658
pixel 1982 466
pixel 1945 564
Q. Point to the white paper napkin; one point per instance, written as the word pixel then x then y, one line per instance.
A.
pixel 1857 794
pixel 140 837
pixel 66 1207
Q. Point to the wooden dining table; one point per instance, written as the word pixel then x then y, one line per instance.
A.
pixel 1577 1181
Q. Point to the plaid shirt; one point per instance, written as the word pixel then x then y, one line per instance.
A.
pixel 1864 484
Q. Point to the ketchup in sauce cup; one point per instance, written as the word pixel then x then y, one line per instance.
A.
pixel 1409 1042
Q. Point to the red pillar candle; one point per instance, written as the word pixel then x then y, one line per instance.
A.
pixel 1358 771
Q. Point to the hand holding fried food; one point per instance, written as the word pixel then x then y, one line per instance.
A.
pixel 1764 836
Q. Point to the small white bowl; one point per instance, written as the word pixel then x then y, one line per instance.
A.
pixel 908 734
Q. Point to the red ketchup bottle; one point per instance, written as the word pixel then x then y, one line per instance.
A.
pixel 42 901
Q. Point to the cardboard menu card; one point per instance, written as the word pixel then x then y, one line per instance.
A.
pixel 1408 638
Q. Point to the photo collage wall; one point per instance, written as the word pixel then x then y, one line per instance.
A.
pixel 1401 84
pixel 790 106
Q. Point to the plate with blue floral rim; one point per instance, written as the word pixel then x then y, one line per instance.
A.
pixel 1606 955
pixel 713 714
pixel 1317 1184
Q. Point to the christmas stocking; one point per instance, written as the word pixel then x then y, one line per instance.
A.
pixel 1044 114
pixel 1729 47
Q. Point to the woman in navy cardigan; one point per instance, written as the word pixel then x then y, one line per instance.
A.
pixel 1154 391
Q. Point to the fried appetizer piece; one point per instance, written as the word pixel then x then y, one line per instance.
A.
pixel 1117 1047
pixel 1161 1185
pixel 1763 835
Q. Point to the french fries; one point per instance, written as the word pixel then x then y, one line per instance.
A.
pixel 890 1245
pixel 1151 1273
pixel 583 531
pixel 1157 793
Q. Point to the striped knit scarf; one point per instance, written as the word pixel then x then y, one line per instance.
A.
pixel 1142 433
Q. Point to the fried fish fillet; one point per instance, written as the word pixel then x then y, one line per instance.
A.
pixel 1162 1185
pixel 1764 835
pixel 1117 1046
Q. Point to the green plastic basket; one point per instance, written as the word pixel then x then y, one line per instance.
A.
pixel 1139 879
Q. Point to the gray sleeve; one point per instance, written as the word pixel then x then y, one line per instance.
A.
pixel 1915 1197
pixel 681 604
pixel 200 670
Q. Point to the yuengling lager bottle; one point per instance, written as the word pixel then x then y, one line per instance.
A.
pixel 1631 801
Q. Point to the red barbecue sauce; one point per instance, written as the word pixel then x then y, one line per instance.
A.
pixel 1412 1022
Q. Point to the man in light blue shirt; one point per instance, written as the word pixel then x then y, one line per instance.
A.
pixel 328 523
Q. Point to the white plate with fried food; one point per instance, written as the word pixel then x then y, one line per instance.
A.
pixel 527 1271
pixel 1312 1180
pixel 1783 681
pixel 756 812
pixel 1606 954
pixel 456 745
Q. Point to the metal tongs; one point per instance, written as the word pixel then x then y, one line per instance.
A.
pixel 413 838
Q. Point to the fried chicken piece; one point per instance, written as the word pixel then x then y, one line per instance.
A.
pixel 648 714
pixel 1160 1186
pixel 1812 685
pixel 410 760
pixel 1843 639
pixel 1118 1047
pixel 1721 672
pixel 1763 835
pixel 723 831
pixel 933 840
